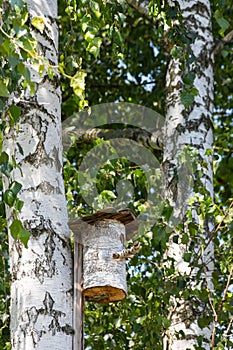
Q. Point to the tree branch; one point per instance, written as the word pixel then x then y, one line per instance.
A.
pixel 117 86
pixel 147 138
pixel 143 10
pixel 218 47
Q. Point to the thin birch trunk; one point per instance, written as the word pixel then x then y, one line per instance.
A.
pixel 191 127
pixel 41 275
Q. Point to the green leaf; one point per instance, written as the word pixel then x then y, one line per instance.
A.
pixel 24 236
pixel 85 22
pixel 14 114
pixel 108 195
pixel 19 204
pixel 187 99
pixel 17 3
pixel 191 58
pixel 175 51
pixel 203 322
pixel 15 187
pixel 2 209
pixel 3 89
pixel 51 72
pixel 172 12
pixel 185 238
pixel 6 168
pixel 18 231
pixel 1 105
pixel 89 36
pixel 38 23
pixel 193 228
pixel 4 158
pixel 94 46
pixel 29 45
pixel 78 83
pixel 209 152
pixel 187 257
pixel 94 6
pixel 176 239
pixel 117 36
pixel 24 71
pixel 194 91
pixel 188 79
pixel 224 53
pixel 224 24
pixel 9 197
pixel 13 60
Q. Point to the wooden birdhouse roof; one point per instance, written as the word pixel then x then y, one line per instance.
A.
pixel 125 216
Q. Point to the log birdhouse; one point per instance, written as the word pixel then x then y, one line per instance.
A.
pixel 103 236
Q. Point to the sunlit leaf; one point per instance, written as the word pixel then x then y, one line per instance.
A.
pixel 38 23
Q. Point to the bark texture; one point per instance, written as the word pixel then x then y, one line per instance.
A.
pixel 104 278
pixel 192 128
pixel 41 276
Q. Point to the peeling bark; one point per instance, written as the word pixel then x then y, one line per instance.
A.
pixel 104 278
pixel 41 276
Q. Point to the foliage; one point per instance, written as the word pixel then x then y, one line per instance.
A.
pixel 133 69
pixel 17 44
pixel 110 52
pixel 117 74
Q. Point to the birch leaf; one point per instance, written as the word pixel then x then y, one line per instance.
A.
pixel 78 83
pixel 187 99
pixel 18 231
pixel 38 23
pixel 9 198
pixel 15 187
pixel 94 46
pixel 3 90
pixel 14 114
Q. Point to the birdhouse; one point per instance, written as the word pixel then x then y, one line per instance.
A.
pixel 103 236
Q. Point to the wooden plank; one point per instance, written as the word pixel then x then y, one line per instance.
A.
pixel 78 297
pixel 125 216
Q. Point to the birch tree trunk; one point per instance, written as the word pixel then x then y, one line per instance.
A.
pixel 190 127
pixel 41 276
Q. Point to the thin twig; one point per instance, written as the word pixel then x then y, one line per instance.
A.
pixel 225 292
pixel 229 326
pixel 213 234
pixel 216 314
pixel 218 47
pixel 117 86
pixel 140 9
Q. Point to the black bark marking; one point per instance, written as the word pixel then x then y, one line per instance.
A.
pixel 46 266
pixel 48 303
pixel 29 318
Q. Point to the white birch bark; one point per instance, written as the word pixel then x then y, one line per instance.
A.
pixel 104 278
pixel 189 127
pixel 41 276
